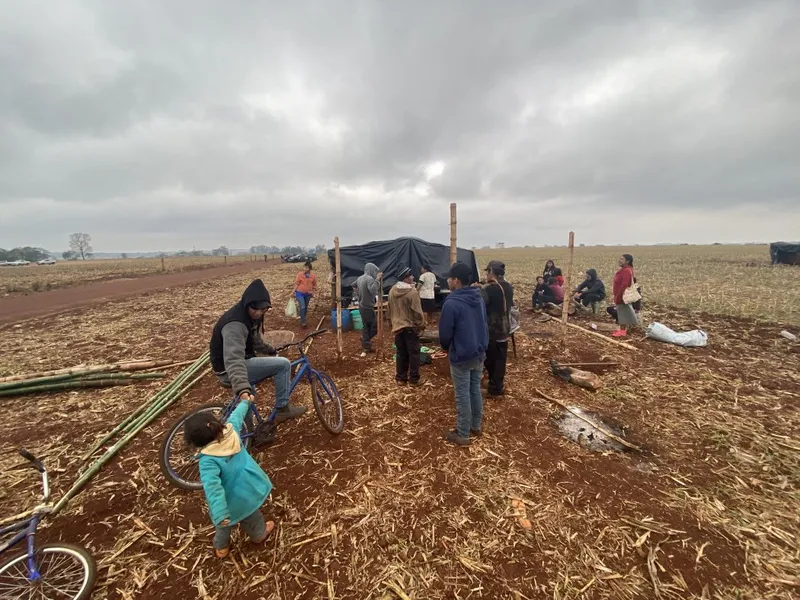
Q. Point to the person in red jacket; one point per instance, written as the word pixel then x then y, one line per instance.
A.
pixel 623 279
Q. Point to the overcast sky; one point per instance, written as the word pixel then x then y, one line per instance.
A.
pixel 166 125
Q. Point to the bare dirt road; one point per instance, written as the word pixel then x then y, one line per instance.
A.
pixel 19 308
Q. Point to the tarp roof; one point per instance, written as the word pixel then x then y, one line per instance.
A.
pixel 390 255
pixel 779 251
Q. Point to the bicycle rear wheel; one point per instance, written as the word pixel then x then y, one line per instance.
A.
pixel 179 463
pixel 327 402
pixel 66 572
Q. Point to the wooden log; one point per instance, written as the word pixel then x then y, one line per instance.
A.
pixel 379 350
pixel 453 234
pixel 597 335
pixel 138 365
pixel 588 364
pixel 599 428
pixel 568 282
pixel 338 260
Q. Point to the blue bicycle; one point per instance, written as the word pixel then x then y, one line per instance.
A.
pixel 54 571
pixel 179 464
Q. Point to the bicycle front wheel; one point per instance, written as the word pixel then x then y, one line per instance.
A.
pixel 66 572
pixel 180 463
pixel 327 402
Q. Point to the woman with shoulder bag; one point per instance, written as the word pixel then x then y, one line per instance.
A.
pixel 625 295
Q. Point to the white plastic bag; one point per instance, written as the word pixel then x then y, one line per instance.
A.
pixel 688 339
pixel 291 309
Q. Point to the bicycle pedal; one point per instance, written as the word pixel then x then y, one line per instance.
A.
pixel 266 433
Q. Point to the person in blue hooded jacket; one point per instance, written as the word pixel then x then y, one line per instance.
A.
pixel 464 334
pixel 234 485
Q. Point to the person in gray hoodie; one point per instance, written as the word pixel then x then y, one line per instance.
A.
pixel 235 341
pixel 367 288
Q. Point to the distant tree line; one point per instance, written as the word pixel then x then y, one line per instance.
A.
pixel 28 253
pixel 319 248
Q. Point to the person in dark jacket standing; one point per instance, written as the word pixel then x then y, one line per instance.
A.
pixel 590 290
pixel 498 295
pixel 367 288
pixel 235 341
pixel 408 321
pixel 464 334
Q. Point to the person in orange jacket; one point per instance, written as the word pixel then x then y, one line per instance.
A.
pixel 305 284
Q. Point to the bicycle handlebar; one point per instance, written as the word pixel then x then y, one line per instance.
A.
pixel 301 342
pixel 35 462
pixel 39 466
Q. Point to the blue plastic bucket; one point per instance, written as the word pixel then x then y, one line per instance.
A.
pixel 346 320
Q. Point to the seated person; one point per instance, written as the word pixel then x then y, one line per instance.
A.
pixel 556 290
pixel 590 290
pixel 541 294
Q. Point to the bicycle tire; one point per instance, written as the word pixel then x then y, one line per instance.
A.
pixel 76 554
pixel 167 456
pixel 325 395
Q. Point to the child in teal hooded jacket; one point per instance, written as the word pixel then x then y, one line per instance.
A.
pixel 234 484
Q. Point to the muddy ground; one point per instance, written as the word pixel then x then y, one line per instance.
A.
pixel 710 508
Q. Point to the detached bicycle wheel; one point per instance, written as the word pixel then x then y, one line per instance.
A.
pixel 66 572
pixel 327 402
pixel 179 462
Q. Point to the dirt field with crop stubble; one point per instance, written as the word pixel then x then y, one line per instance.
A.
pixel 65 274
pixel 387 510
pixel 736 281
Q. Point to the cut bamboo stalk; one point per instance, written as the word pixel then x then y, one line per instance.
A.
pixel 568 283
pixel 138 365
pixel 379 308
pixel 66 385
pixel 338 260
pixel 597 335
pixel 599 428
pixel 95 467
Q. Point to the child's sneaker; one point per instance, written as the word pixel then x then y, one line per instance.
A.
pixel 222 552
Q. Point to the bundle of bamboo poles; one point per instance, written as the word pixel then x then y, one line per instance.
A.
pixel 140 418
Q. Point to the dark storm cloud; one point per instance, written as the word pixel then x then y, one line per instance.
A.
pixel 174 113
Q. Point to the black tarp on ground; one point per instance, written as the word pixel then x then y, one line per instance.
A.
pixel 390 255
pixel 787 253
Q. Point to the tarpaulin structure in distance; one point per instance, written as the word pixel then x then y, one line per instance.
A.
pixel 390 255
pixel 785 253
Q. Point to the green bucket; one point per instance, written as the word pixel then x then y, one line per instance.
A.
pixel 355 318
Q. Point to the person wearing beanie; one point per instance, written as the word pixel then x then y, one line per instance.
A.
pixel 498 295
pixel 236 341
pixel 464 334
pixel 408 322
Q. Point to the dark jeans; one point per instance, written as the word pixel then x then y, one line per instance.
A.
pixel 539 301
pixel 495 363
pixel 370 321
pixel 407 342
pixel 587 298
pixel 303 300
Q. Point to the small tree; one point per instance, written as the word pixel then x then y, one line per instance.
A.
pixel 124 255
pixel 81 245
pixel 221 251
pixel 68 255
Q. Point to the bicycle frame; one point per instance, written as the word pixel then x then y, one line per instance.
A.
pixel 28 530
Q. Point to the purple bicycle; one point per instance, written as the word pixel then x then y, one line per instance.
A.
pixel 55 571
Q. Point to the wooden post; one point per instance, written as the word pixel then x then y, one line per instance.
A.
pixel 568 282
pixel 338 283
pixel 379 350
pixel 163 267
pixel 225 260
pixel 453 234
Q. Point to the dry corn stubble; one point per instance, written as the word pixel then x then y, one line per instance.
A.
pixel 713 502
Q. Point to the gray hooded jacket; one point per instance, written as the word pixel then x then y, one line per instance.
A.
pixel 367 286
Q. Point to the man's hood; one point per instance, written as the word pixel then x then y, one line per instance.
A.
pixel 371 269
pixel 469 295
pixel 256 292
pixel 401 288
pixel 592 274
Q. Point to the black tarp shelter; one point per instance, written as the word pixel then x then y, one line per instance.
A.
pixel 390 255
pixel 785 253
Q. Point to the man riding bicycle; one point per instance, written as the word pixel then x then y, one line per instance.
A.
pixel 236 340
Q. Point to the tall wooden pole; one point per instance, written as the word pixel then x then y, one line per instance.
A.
pixel 568 282
pixel 338 297
pixel 379 351
pixel 453 234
